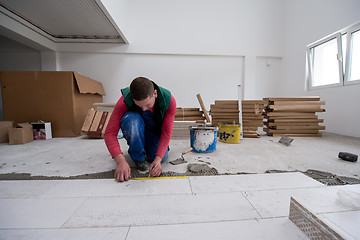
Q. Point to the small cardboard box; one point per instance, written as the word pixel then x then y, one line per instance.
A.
pixel 4 130
pixel 42 130
pixel 21 134
pixel 60 97
pixel 95 123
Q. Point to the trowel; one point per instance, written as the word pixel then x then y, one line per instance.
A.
pixel 181 159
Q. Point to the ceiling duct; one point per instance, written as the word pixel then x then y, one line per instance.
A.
pixel 66 20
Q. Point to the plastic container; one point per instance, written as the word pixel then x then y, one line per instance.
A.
pixel 203 139
pixel 229 132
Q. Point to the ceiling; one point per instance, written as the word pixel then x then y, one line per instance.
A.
pixel 65 20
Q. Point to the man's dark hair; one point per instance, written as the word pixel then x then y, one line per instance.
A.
pixel 141 88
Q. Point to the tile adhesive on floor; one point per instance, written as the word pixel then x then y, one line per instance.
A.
pixel 83 158
pixel 193 170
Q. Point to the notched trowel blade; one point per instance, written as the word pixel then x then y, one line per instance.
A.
pixel 178 161
pixel 181 159
pixel 286 140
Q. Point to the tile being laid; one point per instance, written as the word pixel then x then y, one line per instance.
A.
pixel 109 187
pixel 331 199
pixel 317 226
pixel 277 228
pixel 345 223
pixel 161 209
pixel 276 203
pixel 60 234
pixel 334 210
pixel 25 188
pixel 37 213
pixel 251 182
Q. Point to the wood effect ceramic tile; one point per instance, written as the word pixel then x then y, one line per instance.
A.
pixel 109 187
pixel 37 213
pixel 61 234
pixel 25 189
pixel 280 228
pixel 158 210
pixel 251 182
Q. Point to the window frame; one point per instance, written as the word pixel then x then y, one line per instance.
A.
pixel 349 52
pixel 343 69
pixel 310 56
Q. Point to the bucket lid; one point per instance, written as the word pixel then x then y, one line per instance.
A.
pixel 200 127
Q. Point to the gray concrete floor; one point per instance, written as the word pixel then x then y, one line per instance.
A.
pixel 76 156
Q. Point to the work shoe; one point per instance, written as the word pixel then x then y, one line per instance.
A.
pixel 142 166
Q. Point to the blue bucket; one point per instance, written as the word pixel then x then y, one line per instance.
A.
pixel 203 139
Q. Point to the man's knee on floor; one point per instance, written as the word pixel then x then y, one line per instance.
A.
pixel 132 123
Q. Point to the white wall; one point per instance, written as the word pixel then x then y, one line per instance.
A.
pixel 225 27
pixel 268 77
pixel 206 47
pixel 308 21
pixel 15 56
pixel 214 77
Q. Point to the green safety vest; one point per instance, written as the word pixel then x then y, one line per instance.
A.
pixel 162 103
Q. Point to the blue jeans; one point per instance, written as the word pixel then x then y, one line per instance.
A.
pixel 139 132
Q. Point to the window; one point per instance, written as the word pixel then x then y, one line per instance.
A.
pixel 335 59
pixel 353 66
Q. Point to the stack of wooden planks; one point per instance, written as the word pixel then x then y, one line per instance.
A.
pixel 181 129
pixel 184 118
pixel 226 111
pixel 104 107
pixel 293 116
pixel 188 114
pixel 252 117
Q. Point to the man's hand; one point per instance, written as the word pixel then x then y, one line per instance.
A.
pixel 122 171
pixel 155 167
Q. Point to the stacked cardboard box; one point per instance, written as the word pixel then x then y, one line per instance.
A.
pixel 21 134
pixel 4 130
pixel 62 98
pixel 252 117
pixel 226 111
pixel 185 117
pixel 294 116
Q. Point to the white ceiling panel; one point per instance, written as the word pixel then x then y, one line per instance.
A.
pixel 67 19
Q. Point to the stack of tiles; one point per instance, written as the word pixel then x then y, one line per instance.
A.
pixel 181 129
pixel 293 116
pixel 188 114
pixel 224 111
pixel 252 118
pixel 184 118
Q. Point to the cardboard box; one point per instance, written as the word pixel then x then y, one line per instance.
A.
pixel 4 130
pixel 21 134
pixel 62 98
pixel 42 130
pixel 95 123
